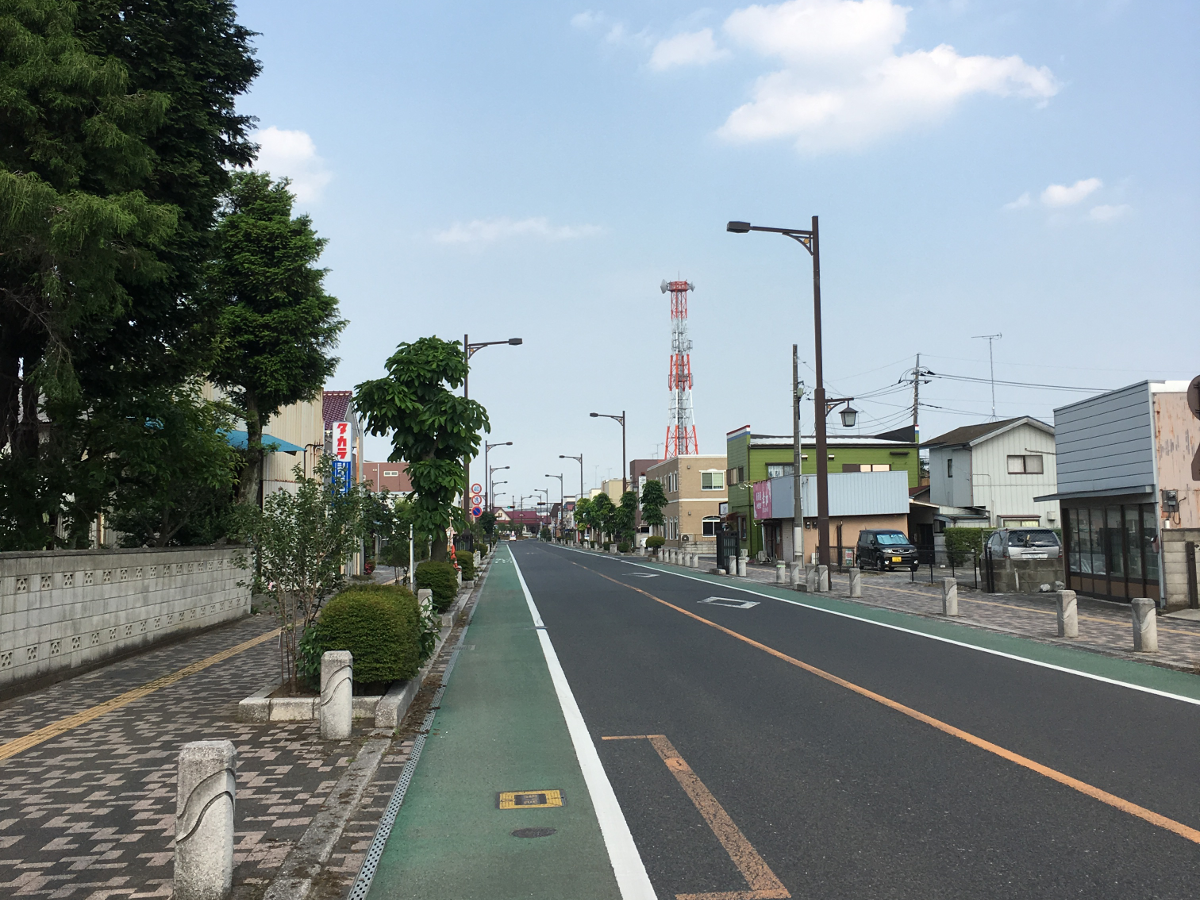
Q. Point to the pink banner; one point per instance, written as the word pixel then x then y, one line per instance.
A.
pixel 762 500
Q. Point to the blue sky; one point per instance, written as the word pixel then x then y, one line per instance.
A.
pixel 536 169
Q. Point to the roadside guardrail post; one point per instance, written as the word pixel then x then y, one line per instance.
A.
pixel 781 573
pixel 1068 614
pixel 337 694
pixel 949 597
pixel 822 578
pixel 741 567
pixel 1145 626
pixel 856 582
pixel 796 574
pixel 204 807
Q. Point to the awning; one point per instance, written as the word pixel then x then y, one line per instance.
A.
pixel 239 439
pixel 1132 491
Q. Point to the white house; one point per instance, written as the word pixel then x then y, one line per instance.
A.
pixel 988 475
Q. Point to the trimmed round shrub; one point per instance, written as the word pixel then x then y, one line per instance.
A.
pixel 380 625
pixel 623 547
pixel 655 541
pixel 442 579
pixel 466 563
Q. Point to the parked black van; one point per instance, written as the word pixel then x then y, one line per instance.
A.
pixel 884 550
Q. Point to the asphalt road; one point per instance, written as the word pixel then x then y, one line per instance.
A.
pixel 839 795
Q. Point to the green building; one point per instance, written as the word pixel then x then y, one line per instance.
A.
pixel 757 457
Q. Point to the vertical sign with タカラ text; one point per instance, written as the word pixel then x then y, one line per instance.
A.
pixel 343 472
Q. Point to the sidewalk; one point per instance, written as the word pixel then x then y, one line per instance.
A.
pixel 499 728
pixel 1103 627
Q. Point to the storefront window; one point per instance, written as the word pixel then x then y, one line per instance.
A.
pixel 1149 536
pixel 1097 541
pixel 1073 538
pixel 1133 543
pixel 1114 533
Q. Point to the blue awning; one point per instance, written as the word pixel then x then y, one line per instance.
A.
pixel 270 444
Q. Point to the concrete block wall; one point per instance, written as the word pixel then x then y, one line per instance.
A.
pixel 1174 564
pixel 68 608
pixel 1023 576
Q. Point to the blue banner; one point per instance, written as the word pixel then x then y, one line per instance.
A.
pixel 342 475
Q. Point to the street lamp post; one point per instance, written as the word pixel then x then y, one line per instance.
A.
pixel 578 459
pixel 809 240
pixel 621 419
pixel 470 350
pixel 561 500
pixel 487 500
pixel 492 470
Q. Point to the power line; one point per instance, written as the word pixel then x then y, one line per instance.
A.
pixel 1023 384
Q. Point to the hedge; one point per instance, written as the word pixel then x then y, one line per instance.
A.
pixel 466 562
pixel 961 543
pixel 380 625
pixel 655 541
pixel 442 579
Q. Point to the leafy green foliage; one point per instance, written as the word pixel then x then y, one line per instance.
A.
pixel 623 547
pixel 603 514
pixel 380 626
pixel 654 499
pixel 487 521
pixel 301 541
pixel 965 544
pixel 626 518
pixel 277 325
pixel 431 428
pixel 466 564
pixel 655 541
pixel 441 578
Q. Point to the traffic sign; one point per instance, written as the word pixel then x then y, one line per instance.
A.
pixel 477 488
pixel 477 511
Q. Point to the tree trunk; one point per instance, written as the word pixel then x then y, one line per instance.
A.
pixel 252 473
pixel 437 550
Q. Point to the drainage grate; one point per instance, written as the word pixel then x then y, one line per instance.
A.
pixel 362 884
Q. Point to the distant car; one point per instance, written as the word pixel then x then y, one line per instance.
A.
pixel 884 550
pixel 1024 543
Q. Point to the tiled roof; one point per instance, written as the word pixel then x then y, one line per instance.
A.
pixel 968 434
pixel 334 406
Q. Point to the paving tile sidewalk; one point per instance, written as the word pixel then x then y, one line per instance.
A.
pixel 1103 627
pixel 90 814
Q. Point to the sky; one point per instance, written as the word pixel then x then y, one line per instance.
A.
pixel 1028 169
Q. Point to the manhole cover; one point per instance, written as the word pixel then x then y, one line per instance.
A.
pixel 533 832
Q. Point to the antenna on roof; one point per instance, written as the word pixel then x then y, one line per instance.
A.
pixel 991 365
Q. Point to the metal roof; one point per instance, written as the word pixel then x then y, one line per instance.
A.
pixel 974 434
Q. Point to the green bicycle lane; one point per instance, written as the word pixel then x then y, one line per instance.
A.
pixel 500 728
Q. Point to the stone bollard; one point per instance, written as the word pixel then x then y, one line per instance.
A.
pixel 695 560
pixel 1145 626
pixel 741 567
pixel 856 582
pixel 337 694
pixel 822 578
pixel 204 808
pixel 424 594
pixel 780 573
pixel 796 574
pixel 1068 614
pixel 810 579
pixel 949 597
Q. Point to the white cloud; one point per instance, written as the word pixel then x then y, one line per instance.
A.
pixel 487 231
pixel 1064 195
pixel 615 32
pixel 696 48
pixel 1106 213
pixel 843 85
pixel 294 155
pixel 1020 203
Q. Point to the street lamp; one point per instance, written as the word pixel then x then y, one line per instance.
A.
pixel 578 459
pixel 492 470
pixel 809 240
pixel 470 350
pixel 561 500
pixel 486 447
pixel 621 419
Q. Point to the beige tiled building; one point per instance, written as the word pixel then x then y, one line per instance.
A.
pixel 695 489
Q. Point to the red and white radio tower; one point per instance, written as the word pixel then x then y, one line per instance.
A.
pixel 681 430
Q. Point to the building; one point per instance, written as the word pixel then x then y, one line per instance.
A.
pixel 989 475
pixel 759 457
pixel 389 476
pixel 857 501
pixel 613 487
pixel 1128 471
pixel 695 489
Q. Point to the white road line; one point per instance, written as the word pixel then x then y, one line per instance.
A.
pixel 632 879
pixel 933 637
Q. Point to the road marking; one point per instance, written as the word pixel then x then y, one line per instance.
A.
pixel 932 637
pixel 643 575
pixel 62 726
pixel 730 602
pixel 1184 831
pixel 763 883
pixel 632 880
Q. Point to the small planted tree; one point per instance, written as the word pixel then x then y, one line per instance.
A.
pixel 604 514
pixel 432 428
pixel 301 542
pixel 626 518
pixel 654 499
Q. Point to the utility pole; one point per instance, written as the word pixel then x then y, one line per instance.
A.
pixel 916 398
pixel 797 512
pixel 991 365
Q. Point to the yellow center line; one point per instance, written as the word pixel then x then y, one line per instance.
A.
pixel 62 726
pixel 762 881
pixel 1184 831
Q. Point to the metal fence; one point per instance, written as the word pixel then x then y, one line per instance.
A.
pixel 966 562
pixel 728 546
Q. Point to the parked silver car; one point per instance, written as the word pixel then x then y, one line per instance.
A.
pixel 1024 543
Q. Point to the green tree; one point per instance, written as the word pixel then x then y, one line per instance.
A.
pixel 653 501
pixel 277 325
pixel 625 522
pixel 119 121
pixel 432 429
pixel 604 514
pixel 487 521
pixel 583 514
